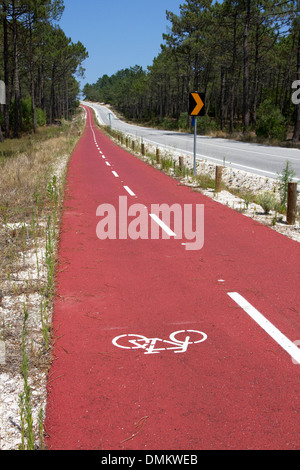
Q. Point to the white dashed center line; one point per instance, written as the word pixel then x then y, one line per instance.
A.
pixel 163 225
pixel 129 191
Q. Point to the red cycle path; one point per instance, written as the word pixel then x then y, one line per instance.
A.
pixel 237 390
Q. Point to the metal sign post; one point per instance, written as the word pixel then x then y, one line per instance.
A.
pixel 195 142
pixel 196 108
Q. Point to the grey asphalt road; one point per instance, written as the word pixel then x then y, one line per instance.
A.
pixel 255 158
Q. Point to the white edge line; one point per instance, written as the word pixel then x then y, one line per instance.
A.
pixel 115 174
pixel 255 170
pixel 108 164
pixel 163 225
pixel 129 191
pixel 207 157
pixel 267 326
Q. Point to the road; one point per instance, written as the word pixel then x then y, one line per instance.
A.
pixel 160 347
pixel 254 158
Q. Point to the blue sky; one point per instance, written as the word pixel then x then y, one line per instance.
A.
pixel 117 33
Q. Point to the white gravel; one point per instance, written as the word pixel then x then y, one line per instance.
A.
pixel 236 180
pixel 31 271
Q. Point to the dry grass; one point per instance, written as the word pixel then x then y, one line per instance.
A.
pixel 24 180
pixel 32 176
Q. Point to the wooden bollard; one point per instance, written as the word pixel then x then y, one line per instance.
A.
pixel 218 187
pixel 143 149
pixel 181 163
pixel 126 141
pixel 157 155
pixel 291 212
pixel 133 145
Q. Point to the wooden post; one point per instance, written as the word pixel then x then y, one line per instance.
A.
pixel 143 149
pixel 181 163
pixel 291 204
pixel 132 145
pixel 157 155
pixel 218 187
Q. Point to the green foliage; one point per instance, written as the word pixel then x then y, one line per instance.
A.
pixel 285 178
pixel 183 122
pixel 205 125
pixel 26 108
pixel 204 50
pixel 270 122
pixel 27 116
pixel 168 123
pixel 267 201
pixel 39 65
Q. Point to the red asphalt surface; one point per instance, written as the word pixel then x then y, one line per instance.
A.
pixel 238 389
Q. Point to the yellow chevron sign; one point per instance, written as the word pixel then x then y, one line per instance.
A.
pixel 197 104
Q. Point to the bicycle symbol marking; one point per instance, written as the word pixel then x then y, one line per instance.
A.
pixel 149 345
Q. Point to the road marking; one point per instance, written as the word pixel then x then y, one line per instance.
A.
pixel 225 147
pixel 163 225
pixel 129 191
pixel 267 326
pixel 136 341
pixel 115 174
pixel 108 164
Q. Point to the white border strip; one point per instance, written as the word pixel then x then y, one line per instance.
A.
pixel 267 326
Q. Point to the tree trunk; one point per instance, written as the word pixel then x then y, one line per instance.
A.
pixel 222 98
pixel 16 72
pixel 52 107
pixel 296 135
pixel 32 78
pixel 246 69
pixel 232 95
pixel 255 84
pixel 6 71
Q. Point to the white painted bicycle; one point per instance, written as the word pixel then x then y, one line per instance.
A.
pixel 178 341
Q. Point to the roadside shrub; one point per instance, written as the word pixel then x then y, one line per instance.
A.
pixel 27 121
pixel 26 111
pixel 285 178
pixel 183 121
pixel 168 123
pixel 267 201
pixel 270 122
pixel 205 125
